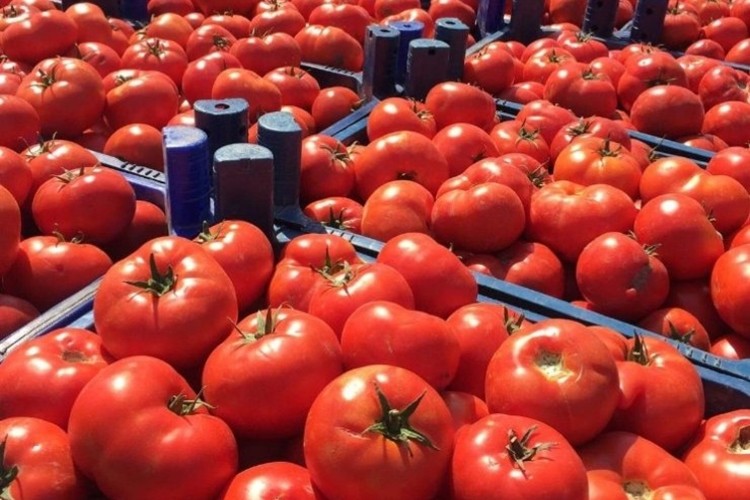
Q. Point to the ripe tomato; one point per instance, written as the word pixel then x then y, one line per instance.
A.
pixel 722 84
pixel 456 102
pixel 326 168
pixel 48 270
pixel 653 104
pixel 157 54
pixel 202 302
pixel 621 464
pixel 42 35
pixel 544 62
pixel 10 238
pixel 490 68
pixel 551 365
pixel 136 96
pixel 590 127
pixel 395 208
pixel 137 143
pixel 383 332
pixel 384 420
pixel 337 212
pixel 352 18
pixel 255 362
pixel 734 162
pixel 54 366
pixel 330 46
pixel 245 254
pixel 620 277
pixel 727 31
pixel 645 70
pixel 332 104
pixel 661 393
pixel 728 288
pixel 678 324
pixel 696 67
pixel 729 121
pixel 396 114
pixel 36 461
pixel 263 54
pixel 47 159
pixel 682 26
pixel 271 480
pixel 237 24
pixel 529 458
pixel 64 203
pixel 439 280
pixel 262 95
pixel 14 313
pixel 731 346
pixel 695 296
pixel 581 89
pixel 183 450
pixel 463 144
pixel 516 136
pixel 206 39
pixel 545 117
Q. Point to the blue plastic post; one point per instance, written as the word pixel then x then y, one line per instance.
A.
pixel 600 18
pixel 243 177
pixel 453 32
pixel 526 20
pixel 381 61
pixel 408 31
pixel 134 10
pixel 428 66
pixel 648 21
pixel 110 7
pixel 490 16
pixel 223 120
pixel 186 165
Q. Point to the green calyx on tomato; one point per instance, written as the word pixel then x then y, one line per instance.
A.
pixel 206 235
pixel 266 326
pixel 394 424
pixel 519 450
pixel 741 445
pixel 7 474
pixel 639 352
pixel 338 274
pixel 607 151
pixel 676 334
pixel 182 406
pixel 158 284
pixel 69 175
pixel 512 324
pixel 336 221
pixel 46 79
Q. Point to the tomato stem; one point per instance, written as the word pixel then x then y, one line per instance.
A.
pixel 639 352
pixel 183 406
pixel 512 324
pixel 206 235
pixel 519 450
pixel 158 284
pixel 676 334
pixel 741 445
pixel 7 474
pixel 394 424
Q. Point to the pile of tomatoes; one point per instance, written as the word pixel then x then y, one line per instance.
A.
pixel 217 371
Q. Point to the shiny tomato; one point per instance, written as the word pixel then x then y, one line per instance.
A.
pixel 581 89
pixel 206 39
pixel 653 104
pixel 149 222
pixel 678 324
pixel 647 70
pixel 729 121
pixel 330 46
pixel 456 102
pixel 326 168
pixel 269 480
pixel 463 144
pixel 135 96
pixel 396 114
pixel 14 313
pixel 728 288
pixel 137 143
pixel 490 68
pixel 734 162
pixel 262 54
pixel 337 212
pixel 47 159
pixel 332 104
pixel 352 18
pixel 397 207
pixel 157 54
pixel 731 346
pixel 42 35
pixel 516 136
pixel 10 217
pixel 262 95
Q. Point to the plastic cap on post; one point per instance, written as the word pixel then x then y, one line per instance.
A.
pixel 381 61
pixel 223 120
pixel 648 21
pixel 134 10
pixel 243 180
pixel 490 16
pixel 428 66
pixel 187 169
pixel 453 32
pixel 600 18
pixel 407 32
pixel 526 20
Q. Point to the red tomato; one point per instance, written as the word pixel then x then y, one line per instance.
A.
pixel 183 450
pixel 696 68
pixel 332 104
pixel 64 204
pixel 395 208
pixel 652 105
pixel 200 74
pixel 263 54
pixel 206 39
pixel 48 270
pixel 271 480
pixel 148 97
pixel 42 35
pixel 544 62
pixel 727 31
pixel 37 461
pixel 102 57
pixel 53 367
pixel 237 24
pixel 440 282
pixel 149 222
pixel 14 313
pixel 203 301
pixel 620 463
pixel 157 54
pixel 245 254
pixel 137 143
pixel 695 296
pixel 728 288
pixel 10 238
pixel 382 332
pixel 326 169
pixel 620 277
pixel 731 346
pixel 47 159
pixel 590 127
pixel 734 162
pixel 517 136
pixel 352 18
pixel 682 26
pixel 396 114
pixel 529 458
pixel 729 121
pixel 382 419
pixel 648 70
pixel 255 363
pixel 678 324
pixel 297 86
pixel 337 212
pixel 661 394
pixel 262 95
pixel 456 102
pixel 582 90
pixel 551 365
pixel 330 46
pixel 490 68
pixel 545 117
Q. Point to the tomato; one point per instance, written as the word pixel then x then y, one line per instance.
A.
pixel 271 480
pixel 708 142
pixel 399 155
pixel 263 54
pixel 728 286
pixel 731 346
pixel 544 62
pixel 302 264
pixel 661 393
pixel 182 449
pixel 567 216
pixel 64 203
pixel 695 296
pixel 677 324
pixel 245 254
pixel 200 74
pixel 545 117
pixel 490 68
pixel 395 114
pixel 48 270
pixel 49 158
pixel 330 46
pixel 590 161
pixel 590 127
pixel 352 18
pixel 135 96
pixel 440 282
pixel 278 20
pixel 582 90
pixel 622 465
pixel 337 212
pixel 727 31
pixel 648 70
pixel 456 102
pixel 395 208
pixel 550 365
pixel 42 35
pixel 383 332
pixel 189 298
pixel 137 143
pixel 255 363
pixel 732 161
pixel 516 136
pixel 620 277
pixel 465 218
pixel 682 26
pixel 332 104
pixel 687 242
pixel 157 54
pixel 522 93
pixel 206 39
pixel 10 219
pixel 14 313
pixel 261 95
pixel 36 461
pixel 149 222
pixel 463 144
pixel 238 25
pixel 652 105
pixel 55 366
pixel 529 459
pixel 384 420
pixel 696 67
pixel 728 121
pixel 298 87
